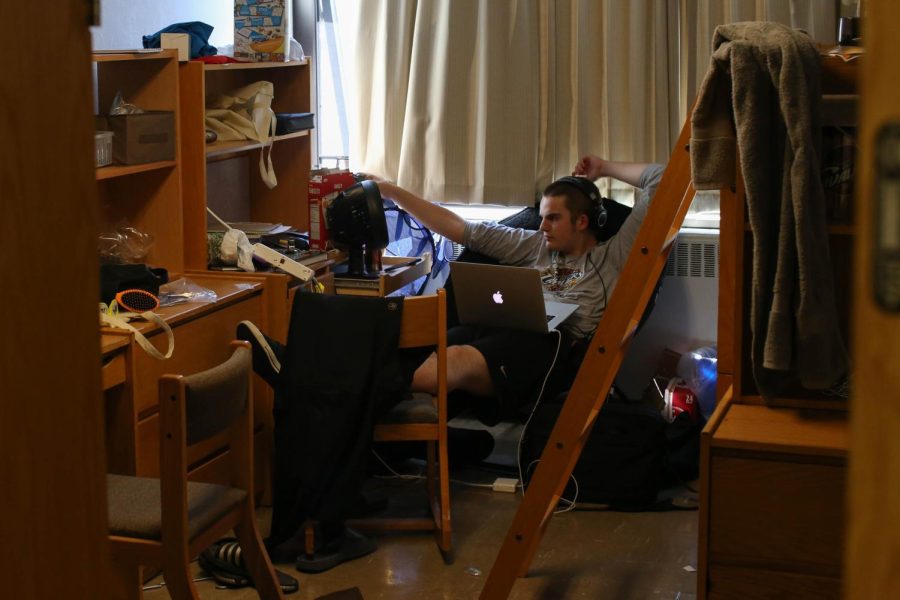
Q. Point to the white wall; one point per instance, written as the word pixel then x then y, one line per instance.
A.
pixel 124 22
pixel 684 317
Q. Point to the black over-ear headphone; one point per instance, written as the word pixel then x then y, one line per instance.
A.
pixel 597 215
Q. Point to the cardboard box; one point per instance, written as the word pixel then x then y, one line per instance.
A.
pixel 262 30
pixel 324 186
pixel 142 138
pixel 177 41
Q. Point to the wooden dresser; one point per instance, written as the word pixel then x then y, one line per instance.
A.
pixel 774 470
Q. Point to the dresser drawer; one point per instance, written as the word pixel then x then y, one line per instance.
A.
pixel 777 513
pixel 729 583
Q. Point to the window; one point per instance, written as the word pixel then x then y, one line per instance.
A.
pixel 334 42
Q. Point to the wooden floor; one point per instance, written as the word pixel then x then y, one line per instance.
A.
pixel 592 554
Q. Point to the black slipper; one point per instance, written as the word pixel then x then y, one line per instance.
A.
pixel 348 546
pixel 222 561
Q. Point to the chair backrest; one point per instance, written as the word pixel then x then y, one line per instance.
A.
pixel 196 407
pixel 424 321
pixel 216 397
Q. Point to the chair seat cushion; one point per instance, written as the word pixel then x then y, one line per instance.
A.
pixel 418 409
pixel 134 506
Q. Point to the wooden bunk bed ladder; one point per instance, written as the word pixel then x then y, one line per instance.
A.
pixel 595 377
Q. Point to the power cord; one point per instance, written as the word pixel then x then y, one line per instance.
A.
pixel 570 504
pixel 427 235
pixel 534 409
pixel 597 271
pixel 396 475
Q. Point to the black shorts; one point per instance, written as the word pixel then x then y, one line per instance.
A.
pixel 518 362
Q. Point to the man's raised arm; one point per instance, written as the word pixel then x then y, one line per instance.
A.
pixel 433 216
pixel 594 167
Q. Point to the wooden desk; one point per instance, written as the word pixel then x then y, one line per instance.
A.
pixel 202 332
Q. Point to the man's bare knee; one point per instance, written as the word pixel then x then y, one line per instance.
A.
pixel 425 377
pixel 467 370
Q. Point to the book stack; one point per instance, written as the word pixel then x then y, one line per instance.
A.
pixel 397 272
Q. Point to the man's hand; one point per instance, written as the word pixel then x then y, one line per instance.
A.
pixel 371 177
pixel 590 166
pixel 594 167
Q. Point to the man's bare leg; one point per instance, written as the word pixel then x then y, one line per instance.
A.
pixel 466 370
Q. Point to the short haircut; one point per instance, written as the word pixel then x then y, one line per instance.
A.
pixel 577 201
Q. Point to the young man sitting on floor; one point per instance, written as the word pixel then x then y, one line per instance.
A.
pixel 511 366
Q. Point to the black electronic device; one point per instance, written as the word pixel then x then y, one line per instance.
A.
pixel 286 123
pixel 286 240
pixel 356 222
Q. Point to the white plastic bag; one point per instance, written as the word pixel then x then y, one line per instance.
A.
pixel 246 114
pixel 237 249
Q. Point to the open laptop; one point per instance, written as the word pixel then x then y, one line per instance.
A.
pixel 504 296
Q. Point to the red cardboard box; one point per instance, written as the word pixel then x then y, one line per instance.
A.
pixel 324 186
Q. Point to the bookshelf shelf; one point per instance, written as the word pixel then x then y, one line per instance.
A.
pixel 113 171
pixel 231 149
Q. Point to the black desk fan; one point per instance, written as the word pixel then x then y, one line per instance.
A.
pixel 356 222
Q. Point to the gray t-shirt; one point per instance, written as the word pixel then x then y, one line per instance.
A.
pixel 586 280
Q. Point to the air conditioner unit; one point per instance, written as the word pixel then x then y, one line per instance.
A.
pixel 695 254
pixel 686 311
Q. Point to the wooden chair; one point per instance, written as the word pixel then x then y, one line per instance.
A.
pixel 166 522
pixel 423 418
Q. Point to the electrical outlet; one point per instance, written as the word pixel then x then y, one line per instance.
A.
pixel 506 484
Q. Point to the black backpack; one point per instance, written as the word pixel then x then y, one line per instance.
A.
pixel 631 455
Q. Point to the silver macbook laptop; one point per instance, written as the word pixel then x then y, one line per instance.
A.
pixel 504 296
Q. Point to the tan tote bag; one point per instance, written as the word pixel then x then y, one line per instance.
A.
pixel 246 114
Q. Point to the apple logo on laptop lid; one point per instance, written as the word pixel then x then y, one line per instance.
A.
pixel 498 297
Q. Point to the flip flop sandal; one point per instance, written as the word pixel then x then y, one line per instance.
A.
pixel 224 572
pixel 223 562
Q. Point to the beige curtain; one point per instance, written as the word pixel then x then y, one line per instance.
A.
pixel 448 97
pixel 488 101
pixel 610 88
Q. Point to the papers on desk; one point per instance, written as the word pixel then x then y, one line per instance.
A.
pixel 252 229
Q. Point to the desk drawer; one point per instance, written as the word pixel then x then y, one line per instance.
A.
pixel 112 373
pixel 199 344
pixel 728 583
pixel 777 514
